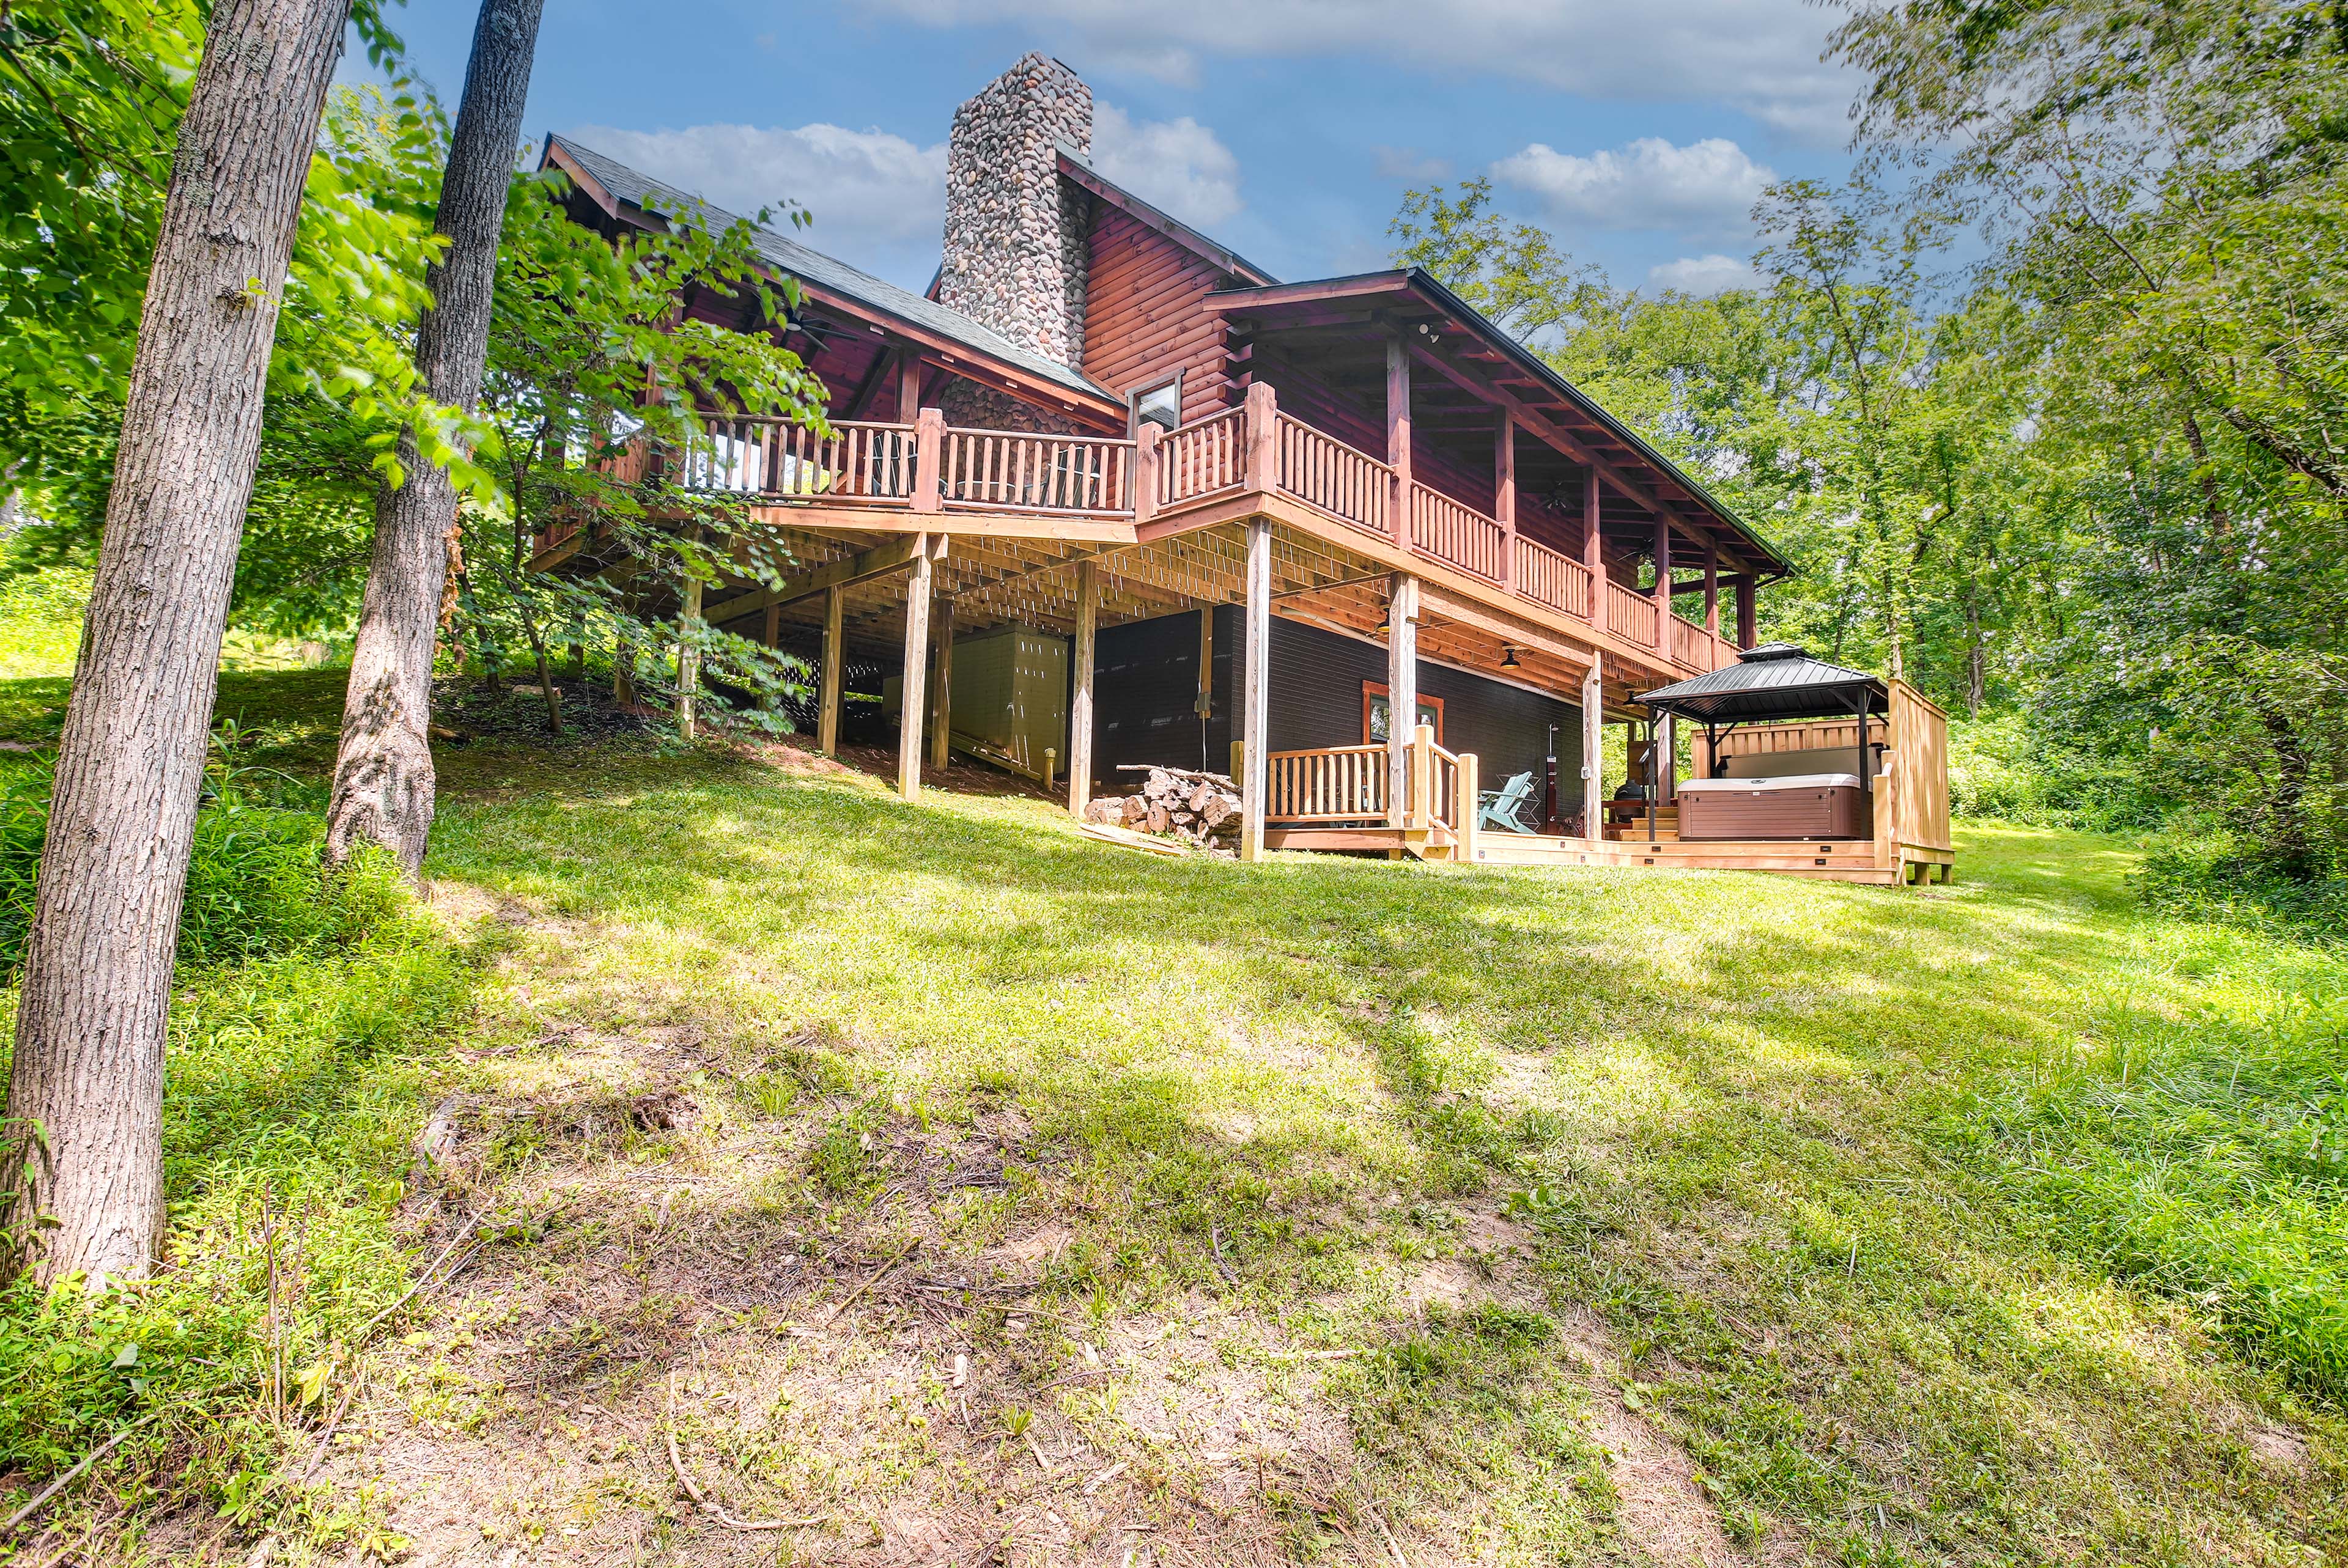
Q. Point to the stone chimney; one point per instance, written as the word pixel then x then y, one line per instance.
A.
pixel 1014 254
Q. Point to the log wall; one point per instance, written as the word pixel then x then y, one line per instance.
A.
pixel 1143 315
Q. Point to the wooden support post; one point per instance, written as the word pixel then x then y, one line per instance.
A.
pixel 1402 690
pixel 929 461
pixel 1712 588
pixel 827 721
pixel 1253 696
pixel 1080 695
pixel 1746 631
pixel 908 385
pixel 941 683
pixel 1593 752
pixel 1663 584
pixel 1504 494
pixel 1260 429
pixel 1146 457
pixel 1593 548
pixel 688 655
pixel 624 670
pixel 1398 430
pixel 1464 808
pixel 910 697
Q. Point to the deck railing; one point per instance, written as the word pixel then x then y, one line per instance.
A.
pixel 1348 786
pixel 1460 536
pixel 929 467
pixel 1545 577
pixel 1323 472
pixel 1327 784
pixel 1631 614
pixel 999 471
pixel 1202 458
pixel 857 464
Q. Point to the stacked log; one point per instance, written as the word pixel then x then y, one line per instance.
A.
pixel 1173 803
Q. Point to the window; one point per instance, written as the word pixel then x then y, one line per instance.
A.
pixel 1375 707
pixel 1160 405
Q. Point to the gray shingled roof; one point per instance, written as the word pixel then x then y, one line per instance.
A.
pixel 1774 681
pixel 787 255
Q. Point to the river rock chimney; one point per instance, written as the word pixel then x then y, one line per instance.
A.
pixel 1015 248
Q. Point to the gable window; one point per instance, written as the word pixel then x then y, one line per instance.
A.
pixel 1376 709
pixel 1160 404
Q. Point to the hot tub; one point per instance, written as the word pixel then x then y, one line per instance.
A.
pixel 1807 805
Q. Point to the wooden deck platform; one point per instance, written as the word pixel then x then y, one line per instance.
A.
pixel 1833 860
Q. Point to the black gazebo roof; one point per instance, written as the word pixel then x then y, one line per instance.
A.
pixel 1774 681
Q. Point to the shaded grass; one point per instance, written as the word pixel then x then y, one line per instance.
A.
pixel 1919 1220
pixel 1747 1115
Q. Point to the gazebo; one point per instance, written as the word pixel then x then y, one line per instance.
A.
pixel 1796 748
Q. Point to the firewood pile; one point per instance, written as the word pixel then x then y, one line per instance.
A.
pixel 1174 803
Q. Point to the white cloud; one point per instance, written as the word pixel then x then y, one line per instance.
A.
pixel 1757 55
pixel 1712 274
pixel 1705 188
pixel 1179 165
pixel 874 196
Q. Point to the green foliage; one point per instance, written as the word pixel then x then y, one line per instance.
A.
pixel 40 618
pixel 253 879
pixel 2207 1157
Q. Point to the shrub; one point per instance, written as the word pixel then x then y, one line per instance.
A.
pixel 2206 875
pixel 254 881
pixel 2003 771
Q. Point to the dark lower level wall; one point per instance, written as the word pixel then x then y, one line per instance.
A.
pixel 1146 686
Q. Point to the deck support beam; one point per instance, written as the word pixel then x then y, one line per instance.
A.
pixel 1712 588
pixel 910 698
pixel 1254 717
pixel 1594 753
pixel 1080 695
pixel 1663 584
pixel 942 683
pixel 1504 494
pixel 826 719
pixel 1398 430
pixel 1746 628
pixel 1593 547
pixel 1402 691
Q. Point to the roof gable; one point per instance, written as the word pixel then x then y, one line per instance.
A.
pixel 613 185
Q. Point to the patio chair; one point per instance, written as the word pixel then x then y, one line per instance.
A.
pixel 1503 808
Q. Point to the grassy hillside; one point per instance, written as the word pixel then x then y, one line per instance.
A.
pixel 953 1183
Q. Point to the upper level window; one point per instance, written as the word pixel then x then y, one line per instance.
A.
pixel 1160 405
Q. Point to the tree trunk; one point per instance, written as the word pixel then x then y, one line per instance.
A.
pixel 383 776
pixel 90 1027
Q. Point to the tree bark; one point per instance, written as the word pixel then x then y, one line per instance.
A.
pixel 383 775
pixel 90 1027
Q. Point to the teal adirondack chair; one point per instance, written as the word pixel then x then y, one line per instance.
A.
pixel 1503 808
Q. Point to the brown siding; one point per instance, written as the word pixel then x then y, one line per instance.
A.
pixel 1144 318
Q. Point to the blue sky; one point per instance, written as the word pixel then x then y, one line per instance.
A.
pixel 1289 129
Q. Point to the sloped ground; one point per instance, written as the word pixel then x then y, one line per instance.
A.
pixel 932 1185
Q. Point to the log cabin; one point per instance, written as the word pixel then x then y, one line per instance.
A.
pixel 1109 495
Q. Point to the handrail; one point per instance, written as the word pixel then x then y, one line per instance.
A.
pixel 1014 471
pixel 1326 783
pixel 1322 472
pixel 1631 614
pixel 1204 458
pixel 1457 535
pixel 855 463
pixel 1547 576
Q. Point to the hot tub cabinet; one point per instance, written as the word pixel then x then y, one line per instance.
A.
pixel 1811 807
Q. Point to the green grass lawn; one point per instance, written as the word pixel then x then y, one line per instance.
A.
pixel 1529 1215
